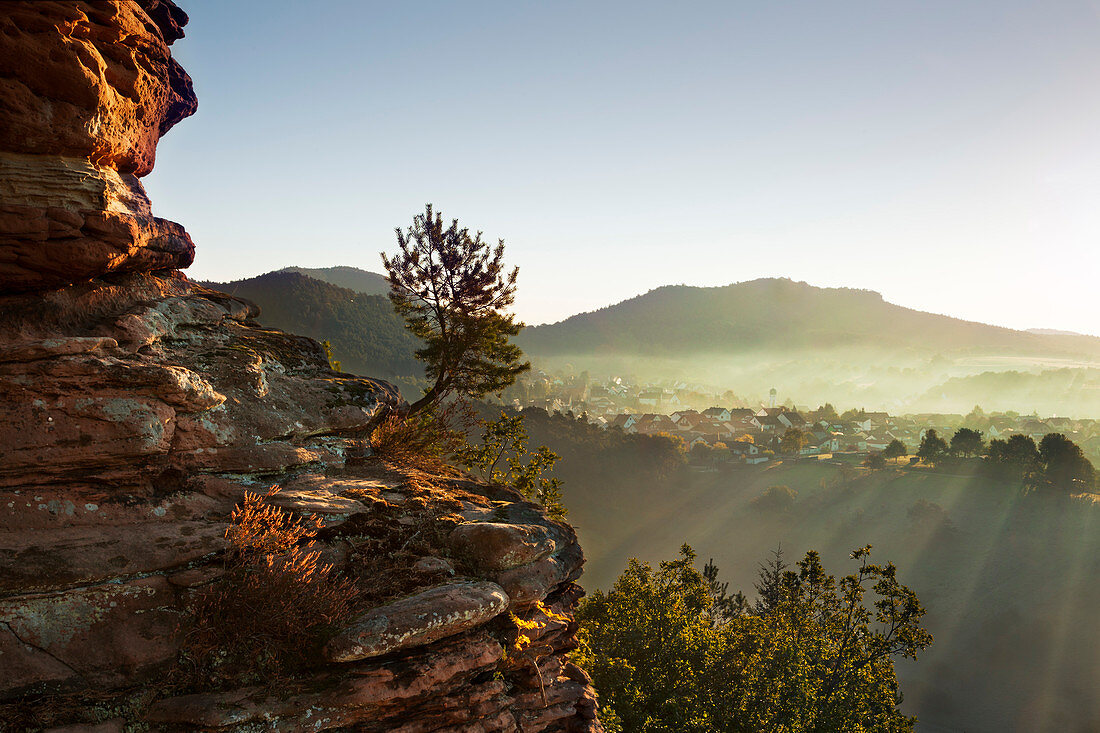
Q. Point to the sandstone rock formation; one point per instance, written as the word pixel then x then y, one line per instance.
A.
pixel 137 409
pixel 88 89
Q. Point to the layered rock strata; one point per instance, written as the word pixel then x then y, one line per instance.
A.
pixel 88 88
pixel 136 411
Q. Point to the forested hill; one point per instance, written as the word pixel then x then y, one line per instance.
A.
pixel 366 335
pixel 781 314
pixel 352 278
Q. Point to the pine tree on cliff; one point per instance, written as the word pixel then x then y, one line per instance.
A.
pixel 452 290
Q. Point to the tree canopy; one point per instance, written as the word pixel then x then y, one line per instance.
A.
pixel 894 449
pixel 967 443
pixel 792 441
pixel 932 447
pixel 502 456
pixel 1018 449
pixel 670 650
pixel 1064 464
pixel 453 292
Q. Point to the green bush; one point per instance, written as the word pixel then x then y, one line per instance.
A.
pixel 666 654
pixel 502 457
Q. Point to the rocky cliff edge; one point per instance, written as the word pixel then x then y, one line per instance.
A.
pixel 137 411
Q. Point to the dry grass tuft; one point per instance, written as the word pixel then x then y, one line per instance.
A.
pixel 266 615
pixel 258 528
pixel 425 440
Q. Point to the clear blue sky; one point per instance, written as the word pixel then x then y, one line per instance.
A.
pixel 944 153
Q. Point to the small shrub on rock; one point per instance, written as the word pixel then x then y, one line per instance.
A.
pixel 264 616
pixel 502 457
pixel 422 440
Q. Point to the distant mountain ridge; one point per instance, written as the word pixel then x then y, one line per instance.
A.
pixel 779 313
pixel 352 278
pixel 814 344
pixel 1055 332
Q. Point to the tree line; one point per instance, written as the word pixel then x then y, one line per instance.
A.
pixel 1055 463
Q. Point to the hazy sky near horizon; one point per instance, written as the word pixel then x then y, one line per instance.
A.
pixel 944 153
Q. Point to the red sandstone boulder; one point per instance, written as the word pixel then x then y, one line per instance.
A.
pixel 423 691
pixel 42 248
pixel 420 619
pixel 180 385
pixel 72 556
pixel 500 546
pixel 86 91
pixel 136 411
pixel 105 634
pixel 91 80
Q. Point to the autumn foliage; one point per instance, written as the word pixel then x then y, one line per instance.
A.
pixel 264 616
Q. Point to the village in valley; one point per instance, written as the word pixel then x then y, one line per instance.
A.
pixel 726 428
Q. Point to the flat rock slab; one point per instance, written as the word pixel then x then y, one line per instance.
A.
pixel 419 619
pixel 386 695
pixel 37 560
pixel 110 634
pixel 33 350
pixel 316 501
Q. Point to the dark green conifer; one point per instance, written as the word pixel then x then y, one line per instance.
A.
pixel 452 290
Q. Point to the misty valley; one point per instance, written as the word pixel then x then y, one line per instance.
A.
pixel 436 496
pixel 652 438
pixel 1008 579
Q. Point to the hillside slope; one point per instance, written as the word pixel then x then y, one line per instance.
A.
pixel 813 344
pixel 782 314
pixel 366 335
